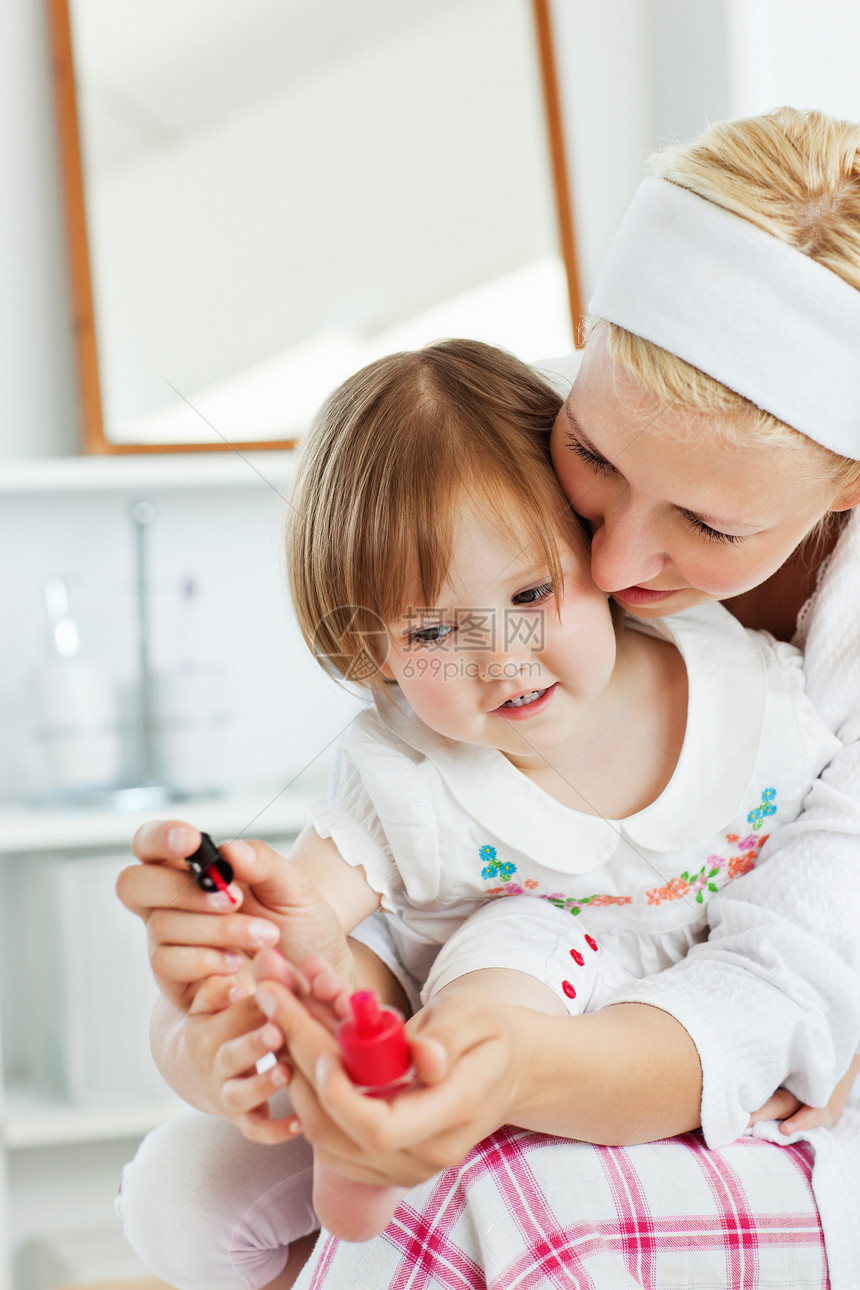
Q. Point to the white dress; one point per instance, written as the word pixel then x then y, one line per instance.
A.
pixel 441 828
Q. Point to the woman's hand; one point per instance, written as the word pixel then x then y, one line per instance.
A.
pixel 193 934
pixel 796 1117
pixel 463 1057
pixel 223 1042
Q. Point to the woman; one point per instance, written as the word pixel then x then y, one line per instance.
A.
pixel 701 479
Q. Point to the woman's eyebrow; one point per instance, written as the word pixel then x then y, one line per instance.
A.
pixel 576 427
pixel 713 521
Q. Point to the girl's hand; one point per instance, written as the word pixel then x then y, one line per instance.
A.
pixel 193 934
pixel 798 1118
pixel 463 1057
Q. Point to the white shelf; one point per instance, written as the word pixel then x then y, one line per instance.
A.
pixel 266 813
pixel 35 1120
pixel 242 468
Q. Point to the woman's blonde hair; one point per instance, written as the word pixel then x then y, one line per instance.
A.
pixel 797 176
pixel 393 456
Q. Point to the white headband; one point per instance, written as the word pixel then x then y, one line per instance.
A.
pixel 740 305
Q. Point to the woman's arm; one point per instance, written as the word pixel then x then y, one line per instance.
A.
pixel 773 997
pixel 622 1075
pixel 628 1073
pixel 302 904
pixel 480 1066
pixel 797 1118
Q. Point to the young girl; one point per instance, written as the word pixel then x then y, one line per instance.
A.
pixel 551 796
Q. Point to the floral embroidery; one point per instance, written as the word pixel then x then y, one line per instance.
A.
pixel 733 866
pixel 574 904
pixel 674 890
pixel 714 873
pixel 739 865
pixel 495 868
pixel 766 807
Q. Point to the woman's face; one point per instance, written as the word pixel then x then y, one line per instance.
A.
pixel 678 515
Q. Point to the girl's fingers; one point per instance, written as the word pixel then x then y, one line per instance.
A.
pixel 270 965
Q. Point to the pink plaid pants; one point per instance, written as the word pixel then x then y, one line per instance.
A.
pixel 526 1211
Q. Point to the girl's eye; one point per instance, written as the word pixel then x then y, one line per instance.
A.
pixel 430 635
pixel 713 535
pixel 534 595
pixel 597 464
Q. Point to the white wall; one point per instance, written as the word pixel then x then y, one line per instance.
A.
pixel 798 52
pixel 634 74
pixel 38 414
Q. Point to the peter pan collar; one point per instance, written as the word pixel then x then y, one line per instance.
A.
pixel 724 721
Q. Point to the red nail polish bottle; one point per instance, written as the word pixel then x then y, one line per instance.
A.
pixel 374 1047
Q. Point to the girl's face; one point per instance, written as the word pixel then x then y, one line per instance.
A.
pixel 678 515
pixel 497 661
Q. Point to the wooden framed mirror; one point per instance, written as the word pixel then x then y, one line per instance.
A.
pixel 262 196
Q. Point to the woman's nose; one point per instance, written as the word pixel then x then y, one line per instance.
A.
pixel 625 551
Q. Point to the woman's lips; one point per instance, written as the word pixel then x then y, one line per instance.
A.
pixel 641 595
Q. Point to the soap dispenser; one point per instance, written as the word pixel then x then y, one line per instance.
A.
pixel 76 710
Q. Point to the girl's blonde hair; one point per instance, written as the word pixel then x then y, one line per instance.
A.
pixel 393 456
pixel 797 176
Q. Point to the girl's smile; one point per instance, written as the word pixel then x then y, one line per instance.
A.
pixel 499 661
pixel 529 704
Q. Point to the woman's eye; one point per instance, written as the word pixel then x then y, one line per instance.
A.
pixel 430 635
pixel 597 464
pixel 713 535
pixel 534 595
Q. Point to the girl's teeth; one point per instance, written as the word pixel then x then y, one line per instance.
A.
pixel 524 698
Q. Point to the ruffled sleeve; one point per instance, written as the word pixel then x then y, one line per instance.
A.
pixel 379 807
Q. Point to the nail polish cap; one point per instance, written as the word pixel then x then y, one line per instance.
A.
pixel 206 857
pixel 373 1043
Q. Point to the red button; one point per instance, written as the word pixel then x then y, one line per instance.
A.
pixel 577 957
pixel 591 941
pixel 568 989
